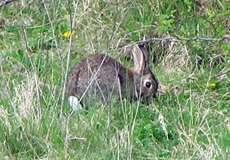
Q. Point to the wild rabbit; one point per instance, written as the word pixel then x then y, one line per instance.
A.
pixel 100 77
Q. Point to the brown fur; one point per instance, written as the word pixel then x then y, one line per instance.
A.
pixel 100 76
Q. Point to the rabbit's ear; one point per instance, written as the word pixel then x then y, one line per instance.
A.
pixel 138 59
pixel 144 48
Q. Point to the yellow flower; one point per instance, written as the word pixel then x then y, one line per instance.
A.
pixel 67 34
pixel 212 86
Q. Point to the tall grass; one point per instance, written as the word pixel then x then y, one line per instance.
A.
pixel 190 121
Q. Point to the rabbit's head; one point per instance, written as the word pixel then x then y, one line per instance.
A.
pixel 145 83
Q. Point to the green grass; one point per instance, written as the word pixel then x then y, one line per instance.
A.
pixel 36 121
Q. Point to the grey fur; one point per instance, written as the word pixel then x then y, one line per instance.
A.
pixel 100 77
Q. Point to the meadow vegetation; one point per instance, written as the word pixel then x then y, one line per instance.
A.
pixel 190 55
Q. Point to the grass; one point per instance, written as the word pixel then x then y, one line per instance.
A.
pixel 190 121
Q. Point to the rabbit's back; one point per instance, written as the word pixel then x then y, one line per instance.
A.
pixel 97 77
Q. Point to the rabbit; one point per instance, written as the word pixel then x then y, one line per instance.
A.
pixel 100 77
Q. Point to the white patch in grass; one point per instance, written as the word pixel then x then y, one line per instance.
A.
pixel 163 124
pixel 74 103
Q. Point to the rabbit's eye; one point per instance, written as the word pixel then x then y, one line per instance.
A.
pixel 148 84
